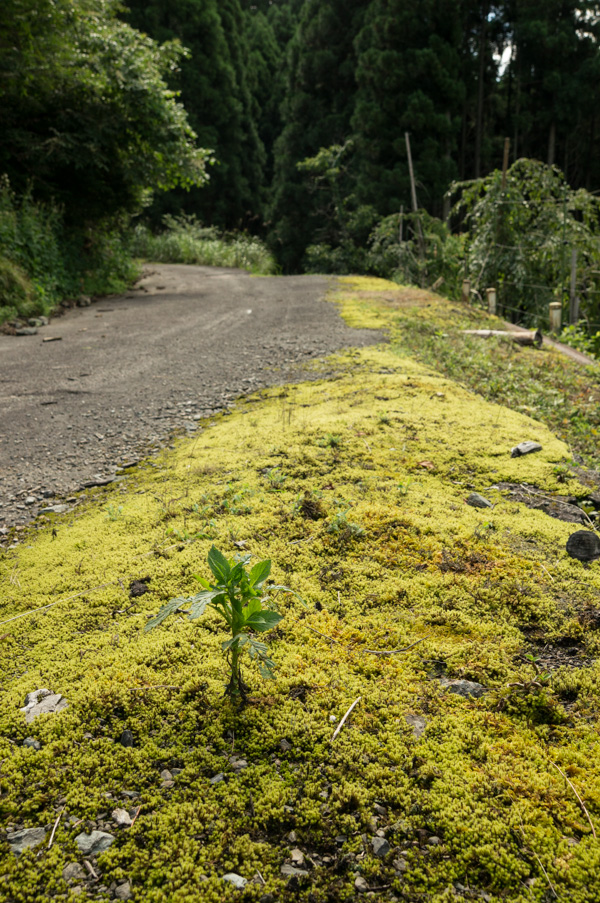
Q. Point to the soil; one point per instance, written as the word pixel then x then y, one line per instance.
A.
pixel 131 370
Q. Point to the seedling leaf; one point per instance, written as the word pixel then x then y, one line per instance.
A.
pixel 219 565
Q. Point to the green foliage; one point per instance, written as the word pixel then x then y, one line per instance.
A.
pixel 185 240
pixel 86 115
pixel 520 236
pixel 44 262
pixel 241 599
pixel 579 337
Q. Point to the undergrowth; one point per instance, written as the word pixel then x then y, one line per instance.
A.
pixel 185 240
pixel 411 589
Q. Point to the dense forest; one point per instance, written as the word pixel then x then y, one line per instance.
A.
pixel 286 119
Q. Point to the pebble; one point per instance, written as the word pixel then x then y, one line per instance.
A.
pixel 525 448
pixel 584 545
pixel 380 847
pixel 31 743
pixel 126 738
pixel 418 724
pixel 26 330
pixel 237 880
pixel 123 891
pixel 217 778
pixel 361 885
pixel 297 857
pixel 26 839
pixel 464 688
pixel 478 501
pixel 122 817
pixel 43 702
pixel 73 872
pixel 289 871
pixel 94 843
pixel 400 864
pixel 434 841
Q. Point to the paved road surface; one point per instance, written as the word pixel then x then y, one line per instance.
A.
pixel 131 369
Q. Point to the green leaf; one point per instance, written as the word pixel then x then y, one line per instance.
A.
pixel 202 581
pixel 168 609
pixel 201 600
pixel 259 573
pixel 219 565
pixel 264 620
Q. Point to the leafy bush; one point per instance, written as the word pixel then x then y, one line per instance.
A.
pixel 185 240
pixel 578 336
pixel 42 262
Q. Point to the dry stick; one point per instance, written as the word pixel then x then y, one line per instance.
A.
pixel 396 651
pixel 51 841
pixel 135 816
pixel 156 687
pixel 343 721
pixel 581 803
pixel 90 869
pixel 32 611
pixel 540 863
pixel 318 632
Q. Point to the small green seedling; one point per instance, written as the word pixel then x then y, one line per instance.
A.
pixel 243 602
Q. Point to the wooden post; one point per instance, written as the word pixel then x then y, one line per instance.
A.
pixel 466 291
pixel 505 162
pixel 411 172
pixel 555 317
pixel 573 299
pixel 491 300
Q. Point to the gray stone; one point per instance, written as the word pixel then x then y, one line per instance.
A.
pixel 478 501
pixel 73 872
pixel 418 724
pixel 84 301
pixel 26 839
pixel 525 448
pixel 30 500
pixel 297 857
pixel 31 743
pixel 361 885
pixel 123 891
pixel 122 817
pixel 217 778
pixel 400 864
pixel 380 847
pixel 239 765
pixel 434 841
pixel 584 545
pixel 289 871
pixel 55 509
pixel 26 330
pixel 464 688
pixel 34 697
pixel 126 738
pixel 166 775
pixel 94 843
pixel 237 880
pixel 49 705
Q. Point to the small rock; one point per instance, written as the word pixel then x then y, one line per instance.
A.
pixel 584 545
pixel 237 880
pixel 84 301
pixel 30 500
pixel 525 448
pixel 217 778
pixel 361 885
pixel 418 724
pixel 378 809
pixel 55 509
pixel 464 688
pixel 239 765
pixel 26 330
pixel 400 864
pixel 380 847
pixel 122 817
pixel 297 857
pixel 31 743
pixel 138 588
pixel 94 843
pixel 123 891
pixel 131 794
pixel 478 501
pixel 73 872
pixel 289 871
pixel 25 839
pixel 48 705
pixel 285 745
pixel 34 697
pixel 267 898
pixel 434 841
pixel 126 738
pixel 292 837
pixel 166 775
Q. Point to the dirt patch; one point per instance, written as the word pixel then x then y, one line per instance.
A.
pixel 405 297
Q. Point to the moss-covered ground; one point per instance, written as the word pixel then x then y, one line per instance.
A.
pixel 355 487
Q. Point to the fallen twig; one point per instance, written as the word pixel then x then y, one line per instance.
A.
pixel 581 803
pixel 395 651
pixel 156 687
pixel 343 721
pixel 32 611
pixel 90 869
pixel 135 816
pixel 318 632
pixel 51 841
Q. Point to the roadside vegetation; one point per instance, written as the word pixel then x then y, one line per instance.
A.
pixel 461 643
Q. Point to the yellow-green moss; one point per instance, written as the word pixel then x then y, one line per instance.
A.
pixel 467 586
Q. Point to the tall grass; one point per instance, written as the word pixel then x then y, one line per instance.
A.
pixel 185 240
pixel 42 262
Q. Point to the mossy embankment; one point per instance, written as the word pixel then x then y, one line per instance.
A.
pixel 355 488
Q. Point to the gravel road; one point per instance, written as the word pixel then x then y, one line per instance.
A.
pixel 132 369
